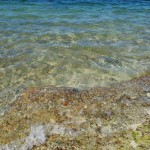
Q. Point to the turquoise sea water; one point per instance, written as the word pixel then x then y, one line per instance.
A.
pixel 77 43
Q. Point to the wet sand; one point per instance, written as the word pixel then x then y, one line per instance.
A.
pixel 115 117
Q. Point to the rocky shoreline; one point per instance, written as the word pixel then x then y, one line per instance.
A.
pixel 115 117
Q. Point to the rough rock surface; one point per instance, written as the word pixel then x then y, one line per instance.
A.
pixel 115 117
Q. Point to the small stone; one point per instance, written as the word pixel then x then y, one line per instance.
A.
pixel 148 111
pixel 85 106
pixel 93 125
pixel 133 144
pixel 148 94
pixel 106 115
pixel 146 101
pixel 133 97
pixel 106 130
pixel 99 123
pixel 52 120
pixel 2 114
pixel 134 126
pixel 79 120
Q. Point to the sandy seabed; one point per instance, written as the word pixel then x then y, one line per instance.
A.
pixel 115 117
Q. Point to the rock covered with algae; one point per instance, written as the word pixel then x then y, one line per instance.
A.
pixel 115 117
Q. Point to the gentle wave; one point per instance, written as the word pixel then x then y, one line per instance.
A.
pixel 71 43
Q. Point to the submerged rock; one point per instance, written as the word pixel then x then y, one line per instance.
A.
pixel 115 117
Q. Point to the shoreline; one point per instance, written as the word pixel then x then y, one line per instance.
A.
pixel 66 118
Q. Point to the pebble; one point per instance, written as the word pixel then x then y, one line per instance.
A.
pixel 106 130
pixel 148 111
pixel 79 120
pixel 133 97
pixel 133 144
pixel 85 106
pixel 99 123
pixel 148 94
pixel 134 126
pixel 2 114
pixel 52 120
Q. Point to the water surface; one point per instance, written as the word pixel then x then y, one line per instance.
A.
pixel 81 43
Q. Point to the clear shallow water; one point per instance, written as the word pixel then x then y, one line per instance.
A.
pixel 80 43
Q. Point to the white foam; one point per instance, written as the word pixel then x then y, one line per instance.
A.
pixel 38 136
pixel 35 138
pixel 58 130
